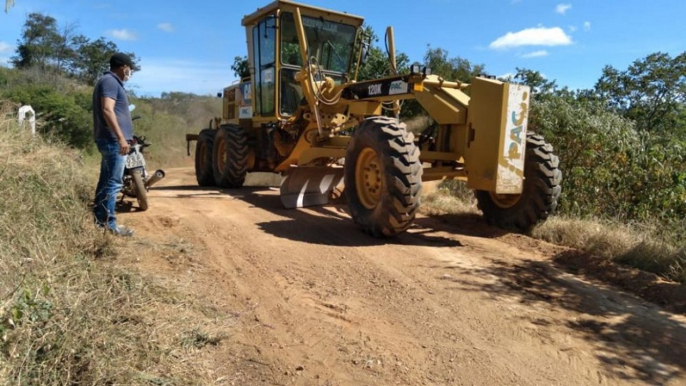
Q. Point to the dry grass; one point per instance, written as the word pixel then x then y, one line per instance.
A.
pixel 165 124
pixel 638 245
pixel 69 312
pixel 652 247
pixel 447 197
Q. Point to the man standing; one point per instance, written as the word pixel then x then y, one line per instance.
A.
pixel 26 113
pixel 112 129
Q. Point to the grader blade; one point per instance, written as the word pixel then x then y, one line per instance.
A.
pixel 309 186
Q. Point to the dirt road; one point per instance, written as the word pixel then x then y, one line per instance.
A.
pixel 451 302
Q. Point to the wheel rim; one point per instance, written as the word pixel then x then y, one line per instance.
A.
pixel 221 154
pixel 368 178
pixel 505 201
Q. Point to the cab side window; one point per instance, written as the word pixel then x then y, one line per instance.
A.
pixel 264 53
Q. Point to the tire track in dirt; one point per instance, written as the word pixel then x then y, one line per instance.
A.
pixel 319 303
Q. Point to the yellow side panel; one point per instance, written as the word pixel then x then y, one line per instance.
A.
pixel 364 108
pixel 496 136
pixel 446 106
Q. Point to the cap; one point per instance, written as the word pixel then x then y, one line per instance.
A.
pixel 121 59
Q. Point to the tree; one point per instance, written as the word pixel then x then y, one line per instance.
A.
pixel 65 51
pixel 39 43
pixel 378 64
pixel 540 86
pixel 92 57
pixel 241 67
pixel 44 45
pixel 455 69
pixel 652 92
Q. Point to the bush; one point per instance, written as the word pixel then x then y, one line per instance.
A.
pixel 610 170
pixel 63 109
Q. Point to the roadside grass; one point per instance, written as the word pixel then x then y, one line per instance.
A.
pixel 69 314
pixel 448 197
pixel 649 246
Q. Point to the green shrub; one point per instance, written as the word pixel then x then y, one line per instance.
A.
pixel 63 109
pixel 609 169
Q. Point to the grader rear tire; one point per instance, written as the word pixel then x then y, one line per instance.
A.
pixel 204 172
pixel 230 157
pixel 521 212
pixel 383 177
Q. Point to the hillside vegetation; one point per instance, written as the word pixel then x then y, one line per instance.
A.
pixel 68 313
pixel 64 113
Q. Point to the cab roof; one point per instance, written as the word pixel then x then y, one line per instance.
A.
pixel 290 6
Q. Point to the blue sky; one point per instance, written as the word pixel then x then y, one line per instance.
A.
pixel 189 46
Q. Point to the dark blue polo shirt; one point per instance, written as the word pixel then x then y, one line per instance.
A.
pixel 110 86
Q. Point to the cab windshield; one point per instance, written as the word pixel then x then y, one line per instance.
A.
pixel 329 42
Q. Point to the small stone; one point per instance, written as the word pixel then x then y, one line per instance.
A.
pixel 300 368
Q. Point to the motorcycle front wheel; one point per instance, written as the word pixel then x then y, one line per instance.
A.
pixel 139 189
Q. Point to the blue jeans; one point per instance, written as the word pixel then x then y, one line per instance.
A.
pixel 109 184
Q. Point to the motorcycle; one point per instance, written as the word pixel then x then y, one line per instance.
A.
pixel 137 180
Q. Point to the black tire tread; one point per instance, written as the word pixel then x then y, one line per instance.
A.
pixel 139 189
pixel 204 172
pixel 236 166
pixel 403 176
pixel 541 190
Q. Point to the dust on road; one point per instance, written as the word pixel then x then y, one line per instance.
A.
pixel 451 302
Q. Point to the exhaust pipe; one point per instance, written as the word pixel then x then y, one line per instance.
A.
pixel 155 178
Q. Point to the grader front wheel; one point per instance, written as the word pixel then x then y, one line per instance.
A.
pixel 368 178
pixel 383 177
pixel 542 178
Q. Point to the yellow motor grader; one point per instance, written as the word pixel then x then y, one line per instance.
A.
pixel 303 114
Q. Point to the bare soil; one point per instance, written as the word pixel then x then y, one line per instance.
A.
pixel 313 301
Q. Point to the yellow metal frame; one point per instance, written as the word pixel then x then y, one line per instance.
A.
pixel 472 130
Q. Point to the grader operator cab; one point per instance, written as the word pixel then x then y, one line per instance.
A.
pixel 301 113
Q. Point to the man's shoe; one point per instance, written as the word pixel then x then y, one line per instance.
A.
pixel 121 231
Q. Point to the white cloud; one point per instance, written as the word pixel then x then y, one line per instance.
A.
pixel 169 74
pixel 166 27
pixel 572 28
pixel 535 54
pixel 562 8
pixel 539 36
pixel 587 26
pixel 123 34
pixel 5 48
